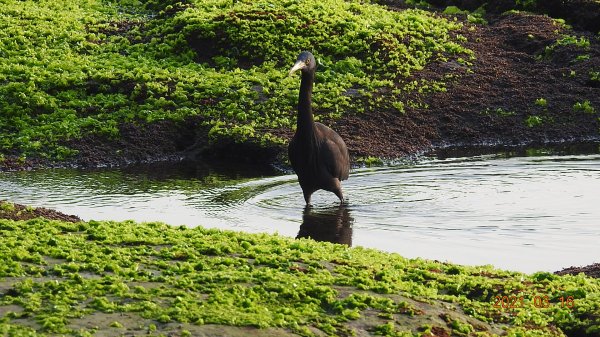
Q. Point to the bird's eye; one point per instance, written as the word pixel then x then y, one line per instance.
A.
pixel 307 61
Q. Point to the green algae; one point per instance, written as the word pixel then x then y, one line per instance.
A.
pixel 73 68
pixel 56 275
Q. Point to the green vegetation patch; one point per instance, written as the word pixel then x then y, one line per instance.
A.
pixel 500 112
pixel 585 106
pixel 526 4
pixel 9 210
pixel 70 68
pixel 541 102
pixel 55 275
pixel 582 43
pixel 477 16
pixel 370 161
pixel 12 211
pixel 533 121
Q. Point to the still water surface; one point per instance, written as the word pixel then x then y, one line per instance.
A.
pixel 518 213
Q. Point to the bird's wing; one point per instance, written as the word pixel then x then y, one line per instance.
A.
pixel 334 153
pixel 293 154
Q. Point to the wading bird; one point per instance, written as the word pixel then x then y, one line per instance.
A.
pixel 318 154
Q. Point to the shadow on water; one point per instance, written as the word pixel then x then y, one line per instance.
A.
pixel 190 169
pixel 505 151
pixel 332 224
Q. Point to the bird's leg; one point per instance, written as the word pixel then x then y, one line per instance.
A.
pixel 337 189
pixel 340 195
pixel 307 196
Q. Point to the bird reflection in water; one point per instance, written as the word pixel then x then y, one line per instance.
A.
pixel 332 224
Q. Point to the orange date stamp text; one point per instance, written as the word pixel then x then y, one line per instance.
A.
pixel 508 302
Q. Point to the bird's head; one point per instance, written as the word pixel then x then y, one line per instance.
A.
pixel 305 62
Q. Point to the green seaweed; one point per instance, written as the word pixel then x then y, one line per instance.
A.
pixel 585 106
pixel 500 112
pixel 582 43
pixel 477 16
pixel 55 274
pixel 370 161
pixel 70 69
pixel 541 102
pixel 594 76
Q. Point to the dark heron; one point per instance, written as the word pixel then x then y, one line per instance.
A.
pixel 318 154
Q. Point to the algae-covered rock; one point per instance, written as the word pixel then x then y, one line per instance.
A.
pixel 124 277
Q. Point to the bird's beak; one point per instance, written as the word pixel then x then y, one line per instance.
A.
pixel 297 66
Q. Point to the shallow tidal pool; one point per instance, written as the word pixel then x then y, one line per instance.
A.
pixel 523 213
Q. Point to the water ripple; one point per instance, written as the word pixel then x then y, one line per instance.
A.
pixel 528 213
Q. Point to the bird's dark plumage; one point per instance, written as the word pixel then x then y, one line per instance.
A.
pixel 318 154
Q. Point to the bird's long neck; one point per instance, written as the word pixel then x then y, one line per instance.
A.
pixel 306 122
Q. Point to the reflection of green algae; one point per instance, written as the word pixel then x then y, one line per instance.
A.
pixel 80 278
pixel 114 181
